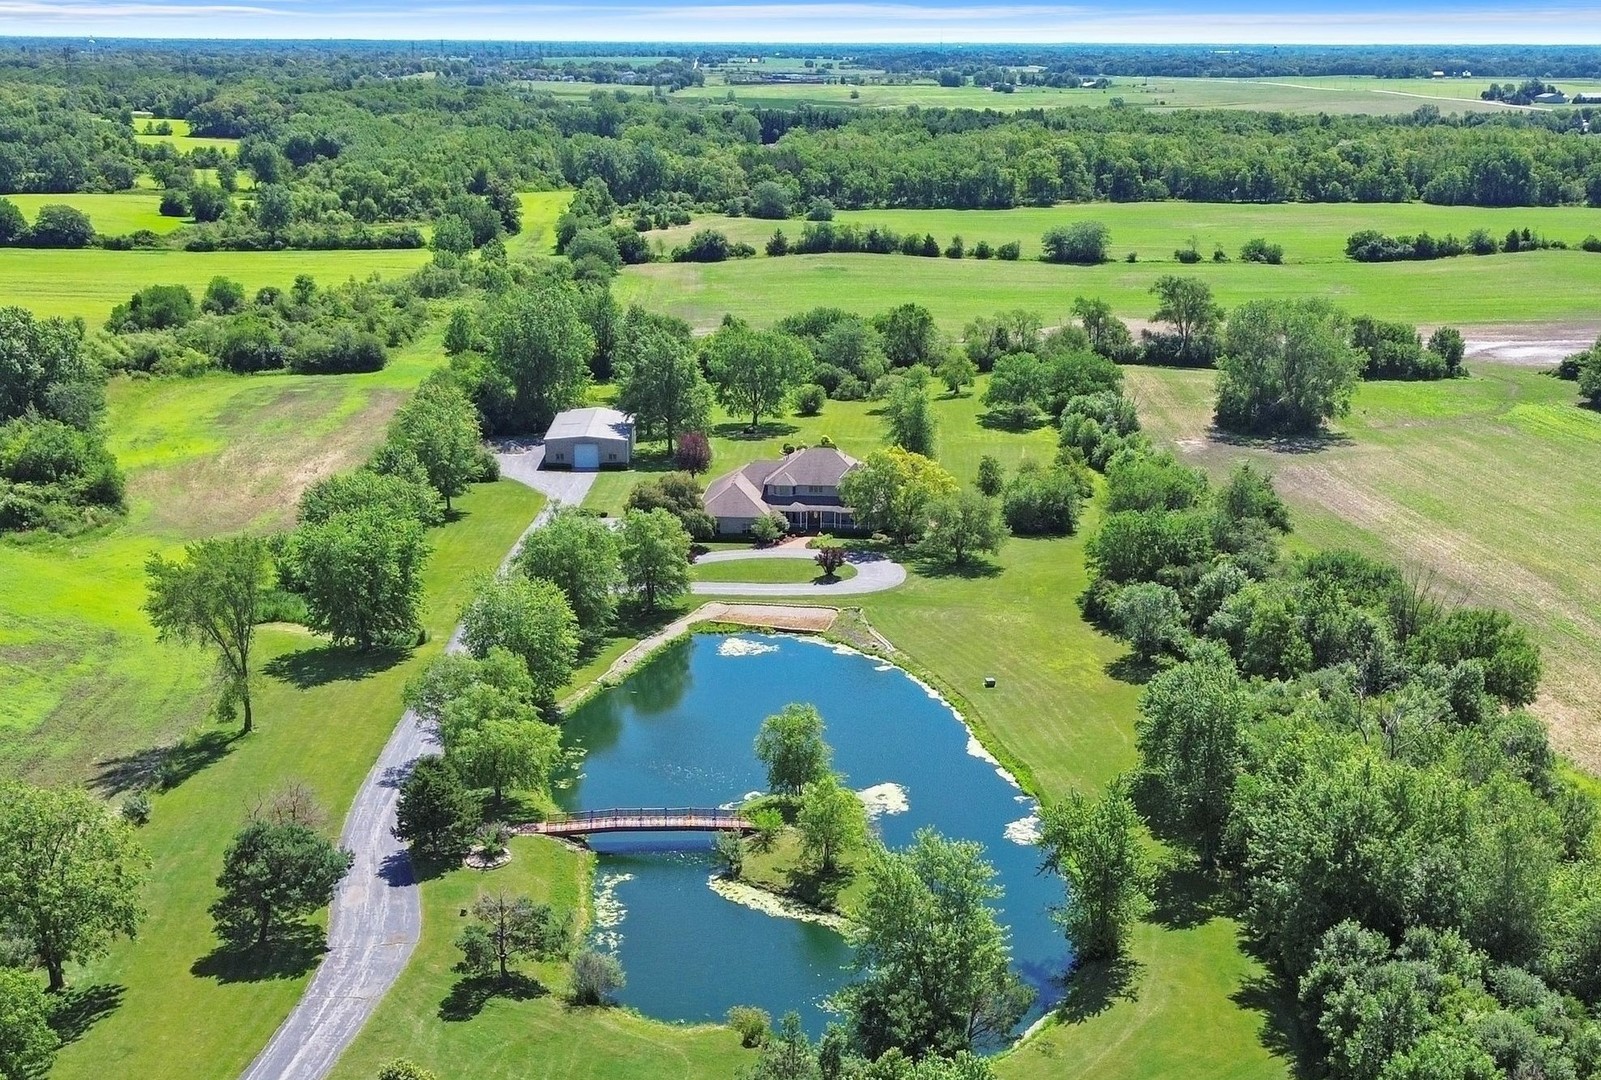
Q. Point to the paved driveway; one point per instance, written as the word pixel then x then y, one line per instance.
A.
pixel 874 573
pixel 375 919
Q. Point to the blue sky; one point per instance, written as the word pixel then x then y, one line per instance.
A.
pixel 1241 21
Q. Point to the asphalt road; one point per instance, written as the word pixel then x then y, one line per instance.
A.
pixel 375 919
pixel 874 573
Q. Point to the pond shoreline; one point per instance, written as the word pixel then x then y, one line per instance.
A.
pixel 772 902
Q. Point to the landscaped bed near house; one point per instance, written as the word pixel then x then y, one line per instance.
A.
pixel 767 571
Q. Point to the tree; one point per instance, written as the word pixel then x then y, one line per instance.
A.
pixel 679 495
pixel 27 1042
pixel 961 525
pixel 1015 387
pixel 436 811
pixel 658 376
pixel 362 574
pixel 13 225
pixel 208 202
pixel 70 875
pixel 1096 848
pixel 460 331
pixel 909 334
pixel 1042 502
pixel 831 820
pixel 906 413
pixel 394 483
pixel 769 200
pixel 213 598
pixel 892 490
pixel 829 559
pixel 935 958
pixel 1590 376
pixel 655 556
pixel 223 296
pixel 754 371
pixel 1108 334
pixel 507 929
pixel 275 209
pixel 497 741
pixel 273 875
pixel 44 370
pixel 530 618
pixel 1446 343
pixel 60 226
pixel 991 478
pixel 1287 367
pixel 956 371
pixel 154 307
pixel 578 553
pixel 1186 304
pixel 539 345
pixel 1151 618
pixel 439 426
pixel 730 848
pixel 790 743
pixel 595 977
pixel 1082 242
pixel 787 1053
pixel 694 453
pixel 1190 736
pixel 750 1024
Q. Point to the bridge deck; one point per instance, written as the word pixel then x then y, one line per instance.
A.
pixel 639 819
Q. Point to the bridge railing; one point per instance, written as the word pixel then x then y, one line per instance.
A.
pixel 644 813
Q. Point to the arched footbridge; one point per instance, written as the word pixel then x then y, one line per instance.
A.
pixel 639 819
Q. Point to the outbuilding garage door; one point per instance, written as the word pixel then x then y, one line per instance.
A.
pixel 586 455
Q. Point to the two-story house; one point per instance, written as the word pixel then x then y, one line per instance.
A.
pixel 804 487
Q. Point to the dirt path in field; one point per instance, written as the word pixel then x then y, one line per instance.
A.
pixel 1534 345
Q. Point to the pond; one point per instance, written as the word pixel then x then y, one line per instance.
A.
pixel 680 731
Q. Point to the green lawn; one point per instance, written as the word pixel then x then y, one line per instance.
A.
pixel 1492 484
pixel 540 211
pixel 179 139
pixel 92 281
pixel 113 215
pixel 542 1036
pixel 767 571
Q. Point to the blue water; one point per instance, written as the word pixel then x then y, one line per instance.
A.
pixel 680 732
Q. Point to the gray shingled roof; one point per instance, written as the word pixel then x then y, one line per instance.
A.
pixel 739 494
pixel 820 466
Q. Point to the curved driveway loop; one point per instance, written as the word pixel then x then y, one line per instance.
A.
pixel 376 916
pixel 874 573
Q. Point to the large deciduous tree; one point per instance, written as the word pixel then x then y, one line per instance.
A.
pixel 213 598
pixel 1096 847
pixel 1287 367
pixel 831 820
pixel 70 875
pixel 530 618
pixel 497 741
pixel 755 371
pixel 961 525
pixel 892 490
pixel 505 929
pixel 43 370
pixel 539 347
pixel 935 958
pixel 362 575
pixel 655 557
pixel 659 376
pixel 27 1042
pixel 273 875
pixel 1186 304
pixel 439 426
pixel 790 743
pixel 578 553
pixel 910 423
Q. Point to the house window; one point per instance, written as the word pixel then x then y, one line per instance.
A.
pixel 816 489
pixel 611 457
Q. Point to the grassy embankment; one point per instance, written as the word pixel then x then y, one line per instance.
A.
pixel 1466 290
pixel 1492 483
pixel 1057 713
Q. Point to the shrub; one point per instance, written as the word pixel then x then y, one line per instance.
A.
pixel 777 244
pixel 1010 251
pixel 709 245
pixel 1082 243
pixel 1260 251
pixel 136 809
pixel 223 296
pixel 341 352
pixel 174 204
pixel 769 199
pixel 1189 255
pixel 1591 243
pixel 595 975
pixel 155 307
pixel 955 250
pixel 751 1024
pixel 770 528
pixel 58 226
pixel 401 1069
pixel 809 399
pixel 982 250
pixel 820 210
pixel 1041 502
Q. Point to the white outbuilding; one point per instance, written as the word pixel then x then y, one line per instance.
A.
pixel 589 439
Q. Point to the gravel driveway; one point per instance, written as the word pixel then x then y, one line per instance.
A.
pixel 375 919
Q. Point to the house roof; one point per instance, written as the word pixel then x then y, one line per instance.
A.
pixel 739 494
pixel 596 423
pixel 820 466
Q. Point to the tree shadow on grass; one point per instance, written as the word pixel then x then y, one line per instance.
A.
pixel 971 570
pixel 816 887
pixel 1281 1031
pixel 309 668
pixel 1096 986
pixel 742 432
pixel 78 1008
pixel 1011 425
pixel 469 995
pixel 1311 443
pixel 1130 669
pixel 292 952
pixel 1183 897
pixel 162 767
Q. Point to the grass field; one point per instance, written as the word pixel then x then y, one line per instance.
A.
pixel 766 571
pixel 1465 291
pixel 113 215
pixel 540 211
pixel 180 139
pixel 93 281
pixel 1492 482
